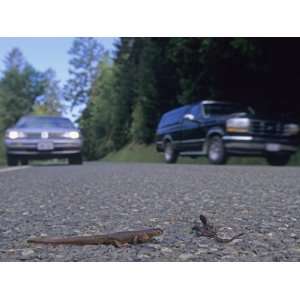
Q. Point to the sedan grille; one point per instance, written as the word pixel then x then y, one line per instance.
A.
pixel 38 135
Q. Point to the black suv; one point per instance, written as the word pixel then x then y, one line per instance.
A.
pixel 221 129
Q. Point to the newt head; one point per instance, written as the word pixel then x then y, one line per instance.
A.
pixel 203 219
pixel 156 232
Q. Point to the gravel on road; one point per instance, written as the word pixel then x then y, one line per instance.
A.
pixel 262 202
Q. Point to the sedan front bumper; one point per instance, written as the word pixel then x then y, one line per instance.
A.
pixel 59 147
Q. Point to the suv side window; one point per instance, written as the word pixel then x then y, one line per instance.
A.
pixel 196 111
pixel 173 117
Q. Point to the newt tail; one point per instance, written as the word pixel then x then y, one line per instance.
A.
pixel 117 239
pixel 221 240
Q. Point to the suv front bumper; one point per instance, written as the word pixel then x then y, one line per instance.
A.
pixel 251 145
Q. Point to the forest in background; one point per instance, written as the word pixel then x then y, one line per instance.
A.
pixel 123 94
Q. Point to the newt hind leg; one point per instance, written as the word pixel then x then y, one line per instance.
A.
pixel 119 244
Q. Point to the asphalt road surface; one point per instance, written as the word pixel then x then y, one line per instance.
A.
pixel 260 201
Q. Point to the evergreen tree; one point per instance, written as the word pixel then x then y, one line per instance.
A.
pixel 125 87
pixel 85 56
pixel 96 121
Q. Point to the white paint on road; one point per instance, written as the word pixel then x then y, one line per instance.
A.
pixel 13 169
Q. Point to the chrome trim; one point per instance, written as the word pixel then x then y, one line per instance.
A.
pixel 237 138
pixel 187 153
pixel 188 141
pixel 192 141
pixel 258 146
pixel 46 153
pixel 215 101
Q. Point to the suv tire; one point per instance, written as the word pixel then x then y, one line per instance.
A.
pixel 11 160
pixel 278 160
pixel 170 154
pixel 216 151
pixel 75 159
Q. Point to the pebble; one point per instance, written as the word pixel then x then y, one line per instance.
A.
pixel 201 251
pixel 185 256
pixel 27 252
pixel 166 250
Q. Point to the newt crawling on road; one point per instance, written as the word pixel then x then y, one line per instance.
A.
pixel 210 231
pixel 117 239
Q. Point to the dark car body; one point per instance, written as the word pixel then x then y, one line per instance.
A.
pixel 43 137
pixel 222 129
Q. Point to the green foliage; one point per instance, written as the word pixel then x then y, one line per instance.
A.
pixel 50 103
pixel 85 56
pixel 139 124
pixel 20 88
pixel 135 153
pixel 2 152
pixel 97 121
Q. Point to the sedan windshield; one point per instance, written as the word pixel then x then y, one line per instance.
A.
pixel 45 122
pixel 221 109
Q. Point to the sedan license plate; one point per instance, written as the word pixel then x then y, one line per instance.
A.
pixel 273 147
pixel 45 146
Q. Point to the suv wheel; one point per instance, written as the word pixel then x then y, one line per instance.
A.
pixel 278 160
pixel 170 154
pixel 216 151
pixel 11 160
pixel 75 159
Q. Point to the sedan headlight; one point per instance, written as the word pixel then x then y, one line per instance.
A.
pixel 291 129
pixel 238 125
pixel 72 135
pixel 14 134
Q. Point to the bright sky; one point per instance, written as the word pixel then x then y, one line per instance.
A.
pixel 44 53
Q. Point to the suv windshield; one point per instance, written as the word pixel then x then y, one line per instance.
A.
pixel 221 109
pixel 44 122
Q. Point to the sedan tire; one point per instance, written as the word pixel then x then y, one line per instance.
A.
pixel 278 160
pixel 11 160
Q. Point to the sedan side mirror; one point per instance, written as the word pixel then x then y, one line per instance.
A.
pixel 189 117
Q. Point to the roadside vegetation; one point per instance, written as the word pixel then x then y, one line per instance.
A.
pixel 118 98
pixel 2 155
pixel 148 154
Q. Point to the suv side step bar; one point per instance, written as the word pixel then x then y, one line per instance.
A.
pixel 189 153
